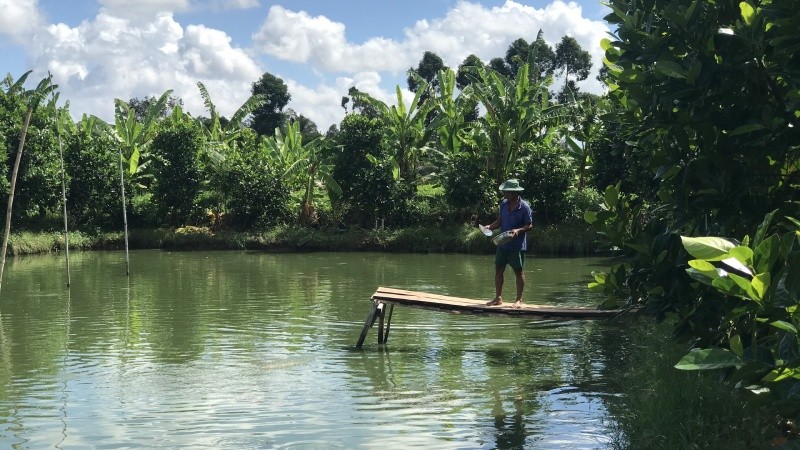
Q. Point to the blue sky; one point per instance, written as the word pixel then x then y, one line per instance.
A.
pixel 98 50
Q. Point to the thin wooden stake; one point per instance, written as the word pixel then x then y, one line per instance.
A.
pixel 24 133
pixel 63 185
pixel 124 212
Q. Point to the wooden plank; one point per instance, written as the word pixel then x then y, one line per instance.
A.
pixel 457 304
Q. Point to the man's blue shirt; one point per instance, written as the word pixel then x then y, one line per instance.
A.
pixel 518 218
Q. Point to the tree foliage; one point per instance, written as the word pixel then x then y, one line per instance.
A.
pixel 178 175
pixel 708 92
pixel 269 115
pixel 90 159
pixel 363 171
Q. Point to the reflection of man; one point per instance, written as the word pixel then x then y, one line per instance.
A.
pixel 512 434
pixel 516 217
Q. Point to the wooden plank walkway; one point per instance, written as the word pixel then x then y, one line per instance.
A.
pixel 391 296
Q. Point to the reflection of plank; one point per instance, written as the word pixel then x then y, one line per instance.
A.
pixel 426 300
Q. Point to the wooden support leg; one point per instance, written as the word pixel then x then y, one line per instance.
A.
pixel 388 324
pixel 368 324
pixel 381 315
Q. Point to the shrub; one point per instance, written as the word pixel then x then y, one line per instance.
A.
pixel 93 192
pixel 178 175
pixel 468 189
pixel 547 175
pixel 364 172
pixel 253 192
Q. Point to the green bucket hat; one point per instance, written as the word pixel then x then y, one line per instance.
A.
pixel 511 185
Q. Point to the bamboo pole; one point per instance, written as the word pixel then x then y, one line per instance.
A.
pixel 63 186
pixel 7 232
pixel 124 212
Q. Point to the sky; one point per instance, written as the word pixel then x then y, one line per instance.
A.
pixel 99 50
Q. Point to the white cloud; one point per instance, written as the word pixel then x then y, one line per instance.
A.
pixel 19 17
pixel 467 28
pixel 112 57
pixel 136 51
pixel 323 104
pixel 209 52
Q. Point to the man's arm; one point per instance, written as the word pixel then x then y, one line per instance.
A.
pixel 528 222
pixel 494 225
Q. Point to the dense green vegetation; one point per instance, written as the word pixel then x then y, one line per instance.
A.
pixel 707 94
pixel 431 160
pixel 688 168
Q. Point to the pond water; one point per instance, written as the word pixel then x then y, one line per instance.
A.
pixel 246 350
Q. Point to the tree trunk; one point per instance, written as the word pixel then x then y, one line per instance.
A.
pixel 11 193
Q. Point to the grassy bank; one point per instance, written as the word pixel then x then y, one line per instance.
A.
pixel 562 240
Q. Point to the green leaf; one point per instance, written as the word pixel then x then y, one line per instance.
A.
pixel 727 286
pixel 760 284
pixel 703 266
pixel 763 228
pixel 748 12
pixel 747 129
pixel 708 359
pixel 785 326
pixel 744 283
pixel 742 254
pixel 670 69
pixel 707 248
pixel 736 345
pixel 611 196
pixel 705 277
pixel 133 161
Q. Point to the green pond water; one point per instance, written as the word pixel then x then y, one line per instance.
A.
pixel 245 350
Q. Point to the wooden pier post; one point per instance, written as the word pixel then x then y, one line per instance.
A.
pixel 368 323
pixel 388 324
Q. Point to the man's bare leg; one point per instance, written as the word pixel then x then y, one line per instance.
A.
pixel 498 287
pixel 520 276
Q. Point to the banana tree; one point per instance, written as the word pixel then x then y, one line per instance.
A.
pixel 303 165
pixel 586 129
pixel 32 99
pixel 405 129
pixel 134 136
pixel 450 121
pixel 517 112
pixel 222 136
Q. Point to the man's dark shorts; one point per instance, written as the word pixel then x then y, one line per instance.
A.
pixel 514 258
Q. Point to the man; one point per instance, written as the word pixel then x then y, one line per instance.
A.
pixel 515 216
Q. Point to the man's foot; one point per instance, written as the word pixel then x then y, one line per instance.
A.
pixel 496 302
pixel 517 304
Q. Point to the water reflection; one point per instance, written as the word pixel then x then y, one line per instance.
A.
pixel 252 350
